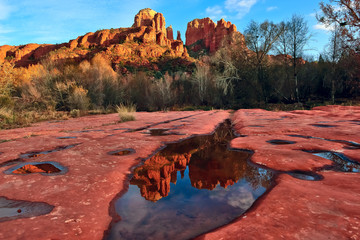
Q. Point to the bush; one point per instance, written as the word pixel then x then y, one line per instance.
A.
pixel 78 99
pixel 126 112
pixel 75 113
pixel 6 116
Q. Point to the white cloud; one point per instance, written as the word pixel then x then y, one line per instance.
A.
pixel 272 8
pixel 5 10
pixel 324 27
pixel 215 12
pixel 241 7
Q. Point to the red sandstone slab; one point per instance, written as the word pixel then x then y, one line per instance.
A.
pixel 326 209
pixel 83 195
pixel 294 208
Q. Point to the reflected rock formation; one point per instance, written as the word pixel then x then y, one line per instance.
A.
pixel 209 160
pixel 191 168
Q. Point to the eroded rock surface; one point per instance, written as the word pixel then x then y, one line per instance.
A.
pixel 82 197
pixel 294 208
pixel 327 208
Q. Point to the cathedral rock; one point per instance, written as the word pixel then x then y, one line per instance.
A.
pixel 204 33
pixel 147 39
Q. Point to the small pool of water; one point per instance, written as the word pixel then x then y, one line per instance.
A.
pixel 122 152
pixel 41 153
pixel 67 137
pixel 341 162
pixel 44 168
pixel 323 125
pixel 307 176
pixel 189 188
pixel 14 209
pixel 280 142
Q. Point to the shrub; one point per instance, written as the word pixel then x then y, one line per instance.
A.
pixel 75 113
pixel 6 116
pixel 126 112
pixel 78 99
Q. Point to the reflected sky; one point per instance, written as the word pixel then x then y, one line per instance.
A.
pixel 189 188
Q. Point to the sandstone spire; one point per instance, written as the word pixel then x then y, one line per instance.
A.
pixel 149 18
pixel 178 36
pixel 169 33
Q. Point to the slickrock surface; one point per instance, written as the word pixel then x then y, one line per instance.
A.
pixel 294 208
pixel 82 195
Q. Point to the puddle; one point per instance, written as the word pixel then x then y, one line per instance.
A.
pixel 14 209
pixel 44 168
pixel 68 137
pixel 198 185
pixel 280 142
pixel 122 152
pixel 349 144
pixel 118 129
pixel 86 131
pixel 40 153
pixel 323 125
pixel 11 162
pixel 271 119
pixel 355 121
pixel 308 176
pixel 158 131
pixel 341 162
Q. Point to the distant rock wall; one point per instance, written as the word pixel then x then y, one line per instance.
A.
pixel 208 32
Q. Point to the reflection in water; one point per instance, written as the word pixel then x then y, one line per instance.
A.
pixel 14 209
pixel 176 201
pixel 341 162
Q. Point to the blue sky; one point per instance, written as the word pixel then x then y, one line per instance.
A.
pixel 54 21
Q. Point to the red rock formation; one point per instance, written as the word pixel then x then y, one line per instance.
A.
pixel 284 59
pixel 169 33
pixel 3 50
pixel 178 36
pixel 154 177
pixel 210 33
pixel 147 38
pixel 149 18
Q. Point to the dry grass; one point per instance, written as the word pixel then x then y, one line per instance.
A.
pixel 6 116
pixel 13 119
pixel 126 112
